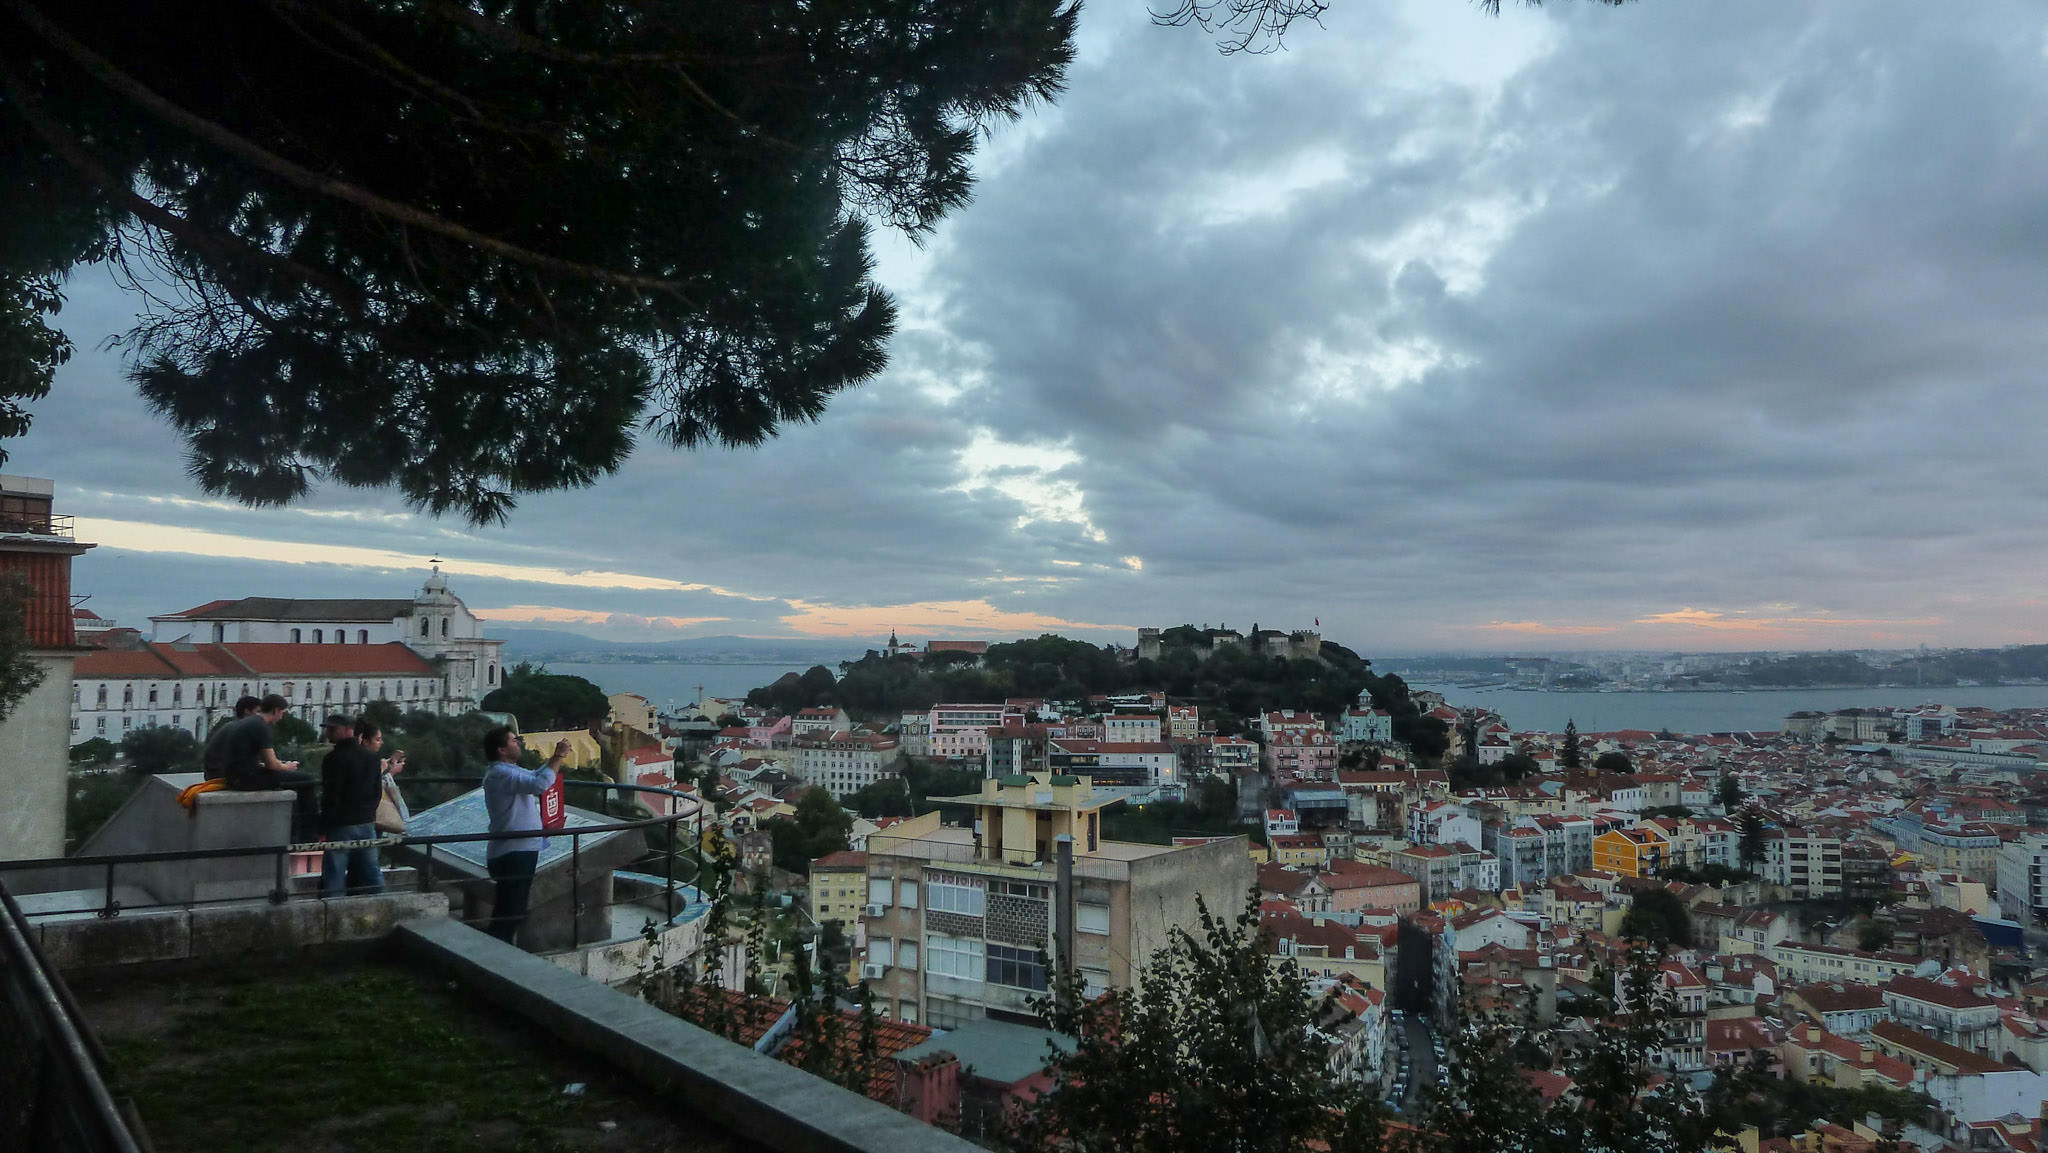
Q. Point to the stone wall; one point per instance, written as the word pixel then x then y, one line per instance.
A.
pixel 230 931
pixel 35 744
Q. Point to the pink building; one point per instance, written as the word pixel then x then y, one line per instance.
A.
pixel 1307 754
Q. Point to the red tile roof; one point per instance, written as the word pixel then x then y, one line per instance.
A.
pixel 320 660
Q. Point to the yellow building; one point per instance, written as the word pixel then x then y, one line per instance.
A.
pixel 839 886
pixel 1631 852
pixel 584 749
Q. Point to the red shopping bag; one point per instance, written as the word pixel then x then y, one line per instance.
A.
pixel 553 813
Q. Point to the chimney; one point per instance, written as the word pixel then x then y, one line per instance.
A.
pixel 1063 894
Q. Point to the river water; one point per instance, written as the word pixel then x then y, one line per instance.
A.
pixel 1711 712
pixel 668 685
pixel 1690 712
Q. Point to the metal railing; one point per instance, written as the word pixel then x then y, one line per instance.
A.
pixel 52 1095
pixel 110 906
pixel 37 524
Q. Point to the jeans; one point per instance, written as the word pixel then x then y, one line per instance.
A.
pixel 358 865
pixel 514 874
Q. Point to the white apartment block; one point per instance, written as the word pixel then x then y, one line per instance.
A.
pixel 1131 728
pixel 1807 863
pixel 843 763
pixel 1800 962
pixel 2023 879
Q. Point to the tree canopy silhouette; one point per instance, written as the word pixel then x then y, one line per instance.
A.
pixel 468 250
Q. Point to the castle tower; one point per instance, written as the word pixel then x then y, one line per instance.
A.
pixel 1149 647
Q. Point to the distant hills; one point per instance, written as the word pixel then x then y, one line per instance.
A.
pixel 548 644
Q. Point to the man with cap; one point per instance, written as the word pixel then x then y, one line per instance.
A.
pixel 351 780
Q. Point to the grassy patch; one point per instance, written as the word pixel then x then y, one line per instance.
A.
pixel 373 1057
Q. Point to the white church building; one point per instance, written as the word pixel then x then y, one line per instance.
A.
pixel 423 654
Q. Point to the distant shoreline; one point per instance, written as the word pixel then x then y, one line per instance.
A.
pixel 1887 687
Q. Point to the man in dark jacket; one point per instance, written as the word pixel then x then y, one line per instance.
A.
pixel 351 780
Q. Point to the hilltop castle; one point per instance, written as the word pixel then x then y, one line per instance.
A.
pixel 1300 644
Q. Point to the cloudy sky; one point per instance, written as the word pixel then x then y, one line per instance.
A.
pixel 1678 325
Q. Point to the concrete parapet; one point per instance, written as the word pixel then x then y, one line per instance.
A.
pixel 228 931
pixel 152 821
pixel 755 1096
pixel 91 942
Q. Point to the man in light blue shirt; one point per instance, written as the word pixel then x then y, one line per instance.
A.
pixel 512 797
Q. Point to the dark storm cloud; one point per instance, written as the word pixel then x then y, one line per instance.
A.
pixel 1576 317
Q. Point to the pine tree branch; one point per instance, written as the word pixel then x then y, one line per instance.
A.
pixel 228 249
pixel 104 71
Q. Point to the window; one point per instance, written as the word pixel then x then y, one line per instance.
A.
pixel 177 695
pixel 220 633
pixel 1092 919
pixel 907 894
pixel 362 636
pixel 318 637
pixel 878 890
pixel 944 1014
pixel 906 1011
pixel 906 954
pixel 962 895
pixel 295 636
pixel 444 626
pixel 152 694
pixel 127 722
pixel 178 720
pixel 74 724
pixel 1018 968
pixel 953 957
pixel 493 675
pixel 425 624
pixel 881 951
pixel 101 724
pixel 341 636
pixel 103 696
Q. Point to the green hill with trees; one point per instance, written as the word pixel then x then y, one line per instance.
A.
pixel 1228 682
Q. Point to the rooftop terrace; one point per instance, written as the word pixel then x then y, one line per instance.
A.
pixel 370 1056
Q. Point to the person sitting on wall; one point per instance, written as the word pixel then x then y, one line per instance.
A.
pixel 512 797
pixel 351 782
pixel 215 759
pixel 252 765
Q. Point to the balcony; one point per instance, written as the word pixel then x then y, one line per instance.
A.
pixel 37 524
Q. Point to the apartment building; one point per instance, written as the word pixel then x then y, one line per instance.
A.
pixel 1131 728
pixel 2023 879
pixel 960 922
pixel 1807 863
pixel 843 763
pixel 960 732
pixel 838 887
pixel 1946 1008
pixel 1444 869
pixel 1309 754
pixel 1142 764
pixel 1639 852
pixel 1800 961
